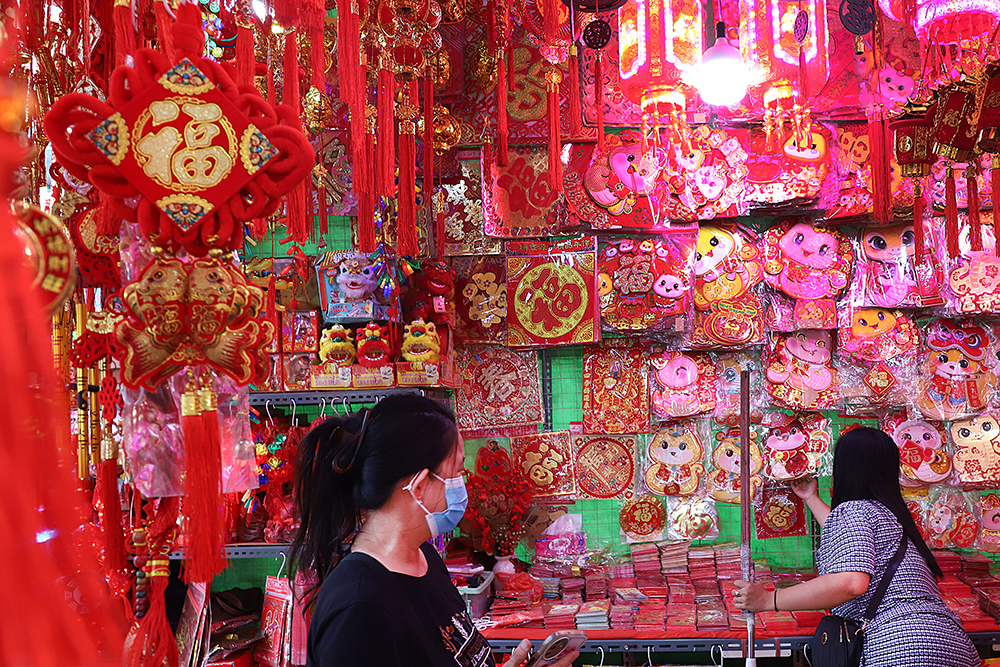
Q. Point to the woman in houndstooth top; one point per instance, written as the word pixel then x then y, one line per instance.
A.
pixel 912 627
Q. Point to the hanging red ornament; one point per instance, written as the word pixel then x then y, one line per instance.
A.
pixel 180 148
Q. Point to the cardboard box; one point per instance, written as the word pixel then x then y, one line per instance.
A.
pixel 332 376
pixel 373 377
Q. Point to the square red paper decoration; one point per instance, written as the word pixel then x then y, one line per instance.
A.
pixel 547 460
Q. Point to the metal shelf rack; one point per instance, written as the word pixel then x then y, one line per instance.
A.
pixel 336 396
pixel 247 550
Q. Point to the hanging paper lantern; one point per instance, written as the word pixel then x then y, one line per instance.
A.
pixel 913 140
pixel 956 123
pixel 989 114
pixel 787 41
pixel 658 40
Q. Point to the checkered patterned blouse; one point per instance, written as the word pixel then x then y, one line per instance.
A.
pixel 912 627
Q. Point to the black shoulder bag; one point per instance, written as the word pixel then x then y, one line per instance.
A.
pixel 838 641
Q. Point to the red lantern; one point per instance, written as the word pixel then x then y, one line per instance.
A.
pixel 989 114
pixel 914 152
pixel 956 123
pixel 658 40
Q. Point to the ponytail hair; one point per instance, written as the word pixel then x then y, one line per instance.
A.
pixel 347 465
pixel 866 467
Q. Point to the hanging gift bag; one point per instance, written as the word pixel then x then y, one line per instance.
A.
pixel 274 622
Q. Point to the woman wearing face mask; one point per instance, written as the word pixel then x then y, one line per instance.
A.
pixel 389 600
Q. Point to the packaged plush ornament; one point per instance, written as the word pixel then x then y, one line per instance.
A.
pixel 800 372
pixel 674 462
pixel 683 383
pixel 886 275
pixel 430 294
pixel 951 519
pixel 956 375
pixel 796 445
pixel 923 449
pixel 808 267
pixel 725 461
pixel 728 268
pixel 646 284
pixel 989 523
pixel 977 451
pixel 877 353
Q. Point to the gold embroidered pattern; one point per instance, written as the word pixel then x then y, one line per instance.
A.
pixel 185 210
pixel 111 138
pixel 255 150
pixel 186 79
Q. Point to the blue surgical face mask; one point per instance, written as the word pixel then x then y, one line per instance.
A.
pixel 457 497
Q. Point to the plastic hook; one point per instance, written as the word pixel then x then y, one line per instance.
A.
pixel 601 649
pixel 722 656
pixel 295 407
pixel 267 409
pixel 322 410
pixel 281 569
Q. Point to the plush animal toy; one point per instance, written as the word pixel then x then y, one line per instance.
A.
pixel 421 342
pixel 431 295
pixel 674 464
pixel 373 346
pixel 337 346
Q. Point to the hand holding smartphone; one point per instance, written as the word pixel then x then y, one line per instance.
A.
pixel 557 645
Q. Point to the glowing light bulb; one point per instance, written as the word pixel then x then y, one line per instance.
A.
pixel 721 76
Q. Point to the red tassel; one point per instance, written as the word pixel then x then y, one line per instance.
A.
pixel 951 215
pixel 407 242
pixel 599 100
pixel 367 237
pixel 881 194
pixel 109 223
pixel 995 190
pixel 351 75
pixel 246 61
pixel 286 12
pixel 508 48
pixel 429 143
pixel 321 211
pixel 114 536
pixel 575 112
pixel 551 10
pixel 203 491
pixel 555 143
pixel 501 102
pixel 165 32
pixel 439 233
pixel 297 217
pixel 919 239
pixel 124 31
pixel 317 51
pixel 385 149
pixel 154 642
pixel 972 200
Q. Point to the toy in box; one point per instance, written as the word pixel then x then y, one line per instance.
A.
pixel 336 356
pixel 348 287
pixel 374 369
pixel 298 331
pixel 428 358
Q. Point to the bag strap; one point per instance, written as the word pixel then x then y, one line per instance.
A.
pixel 883 585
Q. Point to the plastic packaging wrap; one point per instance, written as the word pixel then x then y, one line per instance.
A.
pixel 725 459
pixel 796 445
pixel 728 366
pixel 951 520
pixel 972 278
pixel 885 275
pixel 917 504
pixel 674 463
pixel 810 266
pixel 683 383
pixel 956 376
pixel 877 353
pixel 800 373
pixel 692 518
pixel 728 270
pixel 923 449
pixel 989 523
pixel 646 283
pixel 779 513
pixel 977 451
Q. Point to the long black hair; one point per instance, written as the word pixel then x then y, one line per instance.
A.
pixel 866 467
pixel 349 464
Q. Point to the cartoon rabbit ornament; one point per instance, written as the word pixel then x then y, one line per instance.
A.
pixel 800 373
pixel 886 267
pixel 674 460
pixel 684 384
pixel 724 479
pixel 795 445
pixel 727 271
pixel 811 266
pixel 923 456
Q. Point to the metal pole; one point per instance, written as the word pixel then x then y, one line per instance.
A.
pixel 746 487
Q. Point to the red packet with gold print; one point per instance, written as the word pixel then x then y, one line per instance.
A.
pixel 518 201
pixel 500 390
pixel 552 293
pixel 779 513
pixel 605 465
pixel 480 299
pixel 615 397
pixel 547 460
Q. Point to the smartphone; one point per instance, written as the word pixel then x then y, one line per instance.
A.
pixel 556 646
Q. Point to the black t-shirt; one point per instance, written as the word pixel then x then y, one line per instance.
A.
pixel 367 615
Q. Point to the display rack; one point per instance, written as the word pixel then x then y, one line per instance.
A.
pixel 248 550
pixel 337 396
